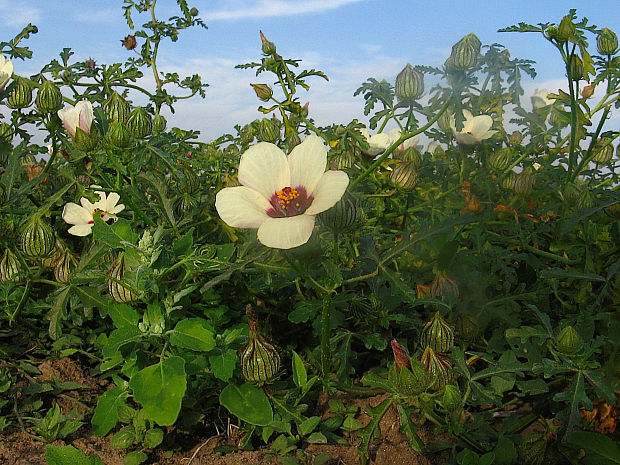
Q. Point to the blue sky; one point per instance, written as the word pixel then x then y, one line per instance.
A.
pixel 350 40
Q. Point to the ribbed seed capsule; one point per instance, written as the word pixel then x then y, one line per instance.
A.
pixel 190 182
pixel 6 132
pixel 139 123
pixel 62 268
pixel 21 95
pixel 607 42
pixel 404 176
pixel 118 135
pixel 409 84
pixel 508 182
pixel 9 267
pixel 501 159
pixel 524 182
pixel 159 124
pixel 116 289
pixel 49 98
pixel 345 216
pixel 260 360
pixel 37 238
pixel 438 366
pixel 268 131
pixel 360 307
pixel 604 154
pixel 437 334
pixel 444 286
pixel 568 341
pixel 116 108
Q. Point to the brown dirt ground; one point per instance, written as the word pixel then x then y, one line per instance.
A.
pixel 391 448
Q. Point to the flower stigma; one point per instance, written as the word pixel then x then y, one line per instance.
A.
pixel 289 201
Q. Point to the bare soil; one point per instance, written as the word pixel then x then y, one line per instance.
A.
pixel 391 448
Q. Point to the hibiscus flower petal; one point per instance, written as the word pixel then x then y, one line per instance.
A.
pixel 328 191
pixel 69 118
pixel 81 230
pixel 74 214
pixel 286 233
pixel 264 168
pixel 481 124
pixel 307 163
pixel 241 207
pixel 466 139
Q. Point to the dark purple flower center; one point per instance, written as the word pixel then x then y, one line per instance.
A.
pixel 289 201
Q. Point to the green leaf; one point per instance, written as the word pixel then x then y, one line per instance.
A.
pixel 57 313
pixel 124 315
pixel 160 389
pixel 193 334
pixel 599 449
pixel 318 438
pixel 105 415
pixel 408 428
pixel 153 438
pixel 505 452
pixel 134 458
pixel 92 298
pixel 223 363
pixel 247 402
pixel 184 245
pixel 114 235
pixel 123 438
pixel 300 375
pixel 308 425
pixel 120 337
pixel 69 455
pixel 575 396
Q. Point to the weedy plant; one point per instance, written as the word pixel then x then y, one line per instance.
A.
pixel 475 235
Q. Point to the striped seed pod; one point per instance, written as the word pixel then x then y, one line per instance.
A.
pixel 438 366
pixel 62 268
pixel 524 182
pixel 409 84
pixel 116 108
pixel 21 94
pixel 603 155
pixel 260 361
pixel 10 267
pixel 404 176
pixel 140 123
pixel 116 289
pixel 501 159
pixel 437 334
pixel 37 238
pixel 345 216
pixel 49 98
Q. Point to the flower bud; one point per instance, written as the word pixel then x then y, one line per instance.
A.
pixel 568 341
pixel 607 42
pixel 439 368
pixel 413 156
pixel 524 182
pixel 465 52
pixel 190 182
pixel 604 154
pixel 21 94
pixel 159 124
pixel 404 176
pixel 139 123
pixel 49 98
pixel 260 361
pixel 566 29
pixel 345 216
pixel 515 138
pixel 263 91
pixel 193 11
pixel 268 131
pixel 409 84
pixel 552 33
pixel 116 289
pixel 437 334
pixel 10 267
pixel 360 308
pixel 37 238
pixel 587 91
pixel 268 47
pixel 116 108
pixel 400 355
pixel 118 135
pixel 444 286
pixel 576 68
pixel 501 159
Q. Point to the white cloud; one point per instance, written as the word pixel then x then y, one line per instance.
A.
pixel 18 14
pixel 273 8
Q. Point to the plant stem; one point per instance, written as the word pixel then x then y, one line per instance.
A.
pixel 325 335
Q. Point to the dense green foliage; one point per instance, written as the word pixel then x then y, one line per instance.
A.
pixel 466 279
